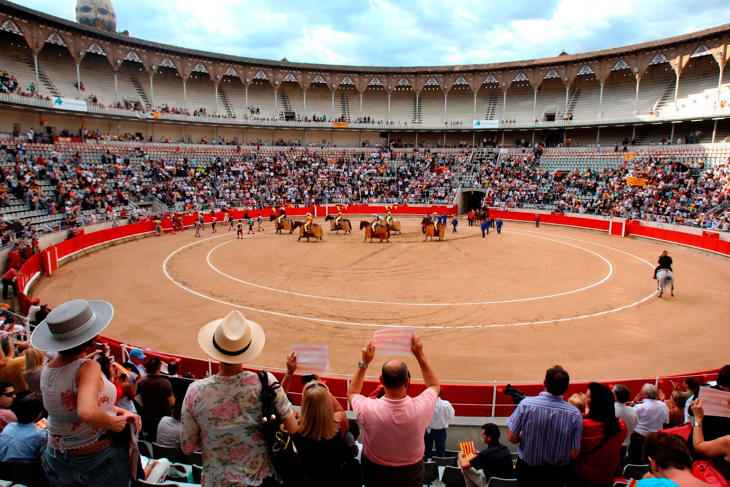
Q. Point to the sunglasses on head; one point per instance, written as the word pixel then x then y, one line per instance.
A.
pixel 7 394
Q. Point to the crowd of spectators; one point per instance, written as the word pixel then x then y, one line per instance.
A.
pixel 662 189
pixel 215 421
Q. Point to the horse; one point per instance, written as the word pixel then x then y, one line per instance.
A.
pixel 380 232
pixel 432 230
pixel 315 231
pixel 664 280
pixel 344 224
pixel 286 224
pixel 394 226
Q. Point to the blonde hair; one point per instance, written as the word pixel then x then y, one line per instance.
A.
pixel 34 359
pixel 578 400
pixel 316 419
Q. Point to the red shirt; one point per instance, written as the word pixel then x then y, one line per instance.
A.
pixel 598 466
pixel 10 275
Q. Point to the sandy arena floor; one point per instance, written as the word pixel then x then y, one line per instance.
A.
pixel 505 307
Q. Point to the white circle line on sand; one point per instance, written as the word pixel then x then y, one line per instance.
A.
pixel 401 303
pixel 382 325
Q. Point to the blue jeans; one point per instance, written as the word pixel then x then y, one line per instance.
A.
pixel 438 437
pixel 107 468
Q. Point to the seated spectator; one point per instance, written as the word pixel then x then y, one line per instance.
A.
pixel 494 461
pixel 23 441
pixel 714 427
pixel 676 408
pixel 625 413
pixel 220 414
pixel 326 458
pixel 34 361
pixel 7 394
pixel 668 459
pixel 11 367
pixel 156 397
pixel 718 449
pixel 352 437
pixel 693 392
pixel 170 428
pixel 652 415
pixel 579 401
pixel 548 430
pixel 600 447
pixel 393 441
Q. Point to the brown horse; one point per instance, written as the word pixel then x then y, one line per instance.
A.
pixel 380 232
pixel 344 224
pixel 432 230
pixel 315 232
pixel 394 226
pixel 286 224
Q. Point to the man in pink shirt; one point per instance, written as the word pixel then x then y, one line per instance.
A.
pixel 394 425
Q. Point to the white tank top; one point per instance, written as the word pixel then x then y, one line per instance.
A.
pixel 65 430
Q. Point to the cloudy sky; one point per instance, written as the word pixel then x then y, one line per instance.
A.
pixel 404 32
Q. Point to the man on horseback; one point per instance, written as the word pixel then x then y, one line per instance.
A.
pixel 665 262
pixel 376 221
pixel 338 218
pixel 282 214
pixel 308 223
pixel 388 217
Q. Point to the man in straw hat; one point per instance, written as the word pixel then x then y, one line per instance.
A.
pixel 80 401
pixel 221 414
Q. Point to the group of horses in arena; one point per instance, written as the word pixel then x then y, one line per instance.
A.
pixel 381 230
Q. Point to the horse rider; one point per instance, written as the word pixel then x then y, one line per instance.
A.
pixel 388 217
pixel 280 217
pixel 338 218
pixel 376 221
pixel 665 262
pixel 308 223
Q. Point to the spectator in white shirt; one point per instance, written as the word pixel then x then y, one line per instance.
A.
pixel 626 413
pixel 169 429
pixel 653 414
pixel 436 431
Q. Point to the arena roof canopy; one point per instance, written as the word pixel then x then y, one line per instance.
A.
pixel 38 28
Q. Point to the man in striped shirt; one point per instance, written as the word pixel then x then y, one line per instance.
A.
pixel 548 430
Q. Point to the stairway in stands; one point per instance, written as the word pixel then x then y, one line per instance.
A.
pixel 47 82
pixel 226 102
pixel 572 100
pixel 416 110
pixel 345 108
pixel 285 105
pixel 140 91
pixel 666 98
pixel 491 107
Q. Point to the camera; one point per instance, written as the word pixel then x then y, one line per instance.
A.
pixel 516 395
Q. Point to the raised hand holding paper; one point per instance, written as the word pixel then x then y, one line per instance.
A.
pixel 393 341
pixel 312 358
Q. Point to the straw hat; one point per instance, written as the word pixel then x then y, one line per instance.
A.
pixel 232 339
pixel 72 324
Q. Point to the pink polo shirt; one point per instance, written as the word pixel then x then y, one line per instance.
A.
pixel 394 428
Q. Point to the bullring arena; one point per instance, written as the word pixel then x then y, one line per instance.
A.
pixel 624 152
pixel 499 308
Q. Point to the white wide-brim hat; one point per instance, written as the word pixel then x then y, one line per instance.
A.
pixel 72 324
pixel 232 339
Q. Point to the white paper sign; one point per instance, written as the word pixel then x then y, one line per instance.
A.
pixel 313 359
pixel 393 341
pixel 714 402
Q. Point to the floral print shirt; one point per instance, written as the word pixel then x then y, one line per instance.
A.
pixel 220 416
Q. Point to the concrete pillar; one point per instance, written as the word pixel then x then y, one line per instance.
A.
pixel 152 90
pixel 185 93
pixel 38 78
pixel 600 101
pixel 78 80
pixel 116 87
pixel 636 97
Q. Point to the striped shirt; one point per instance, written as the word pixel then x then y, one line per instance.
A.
pixel 549 429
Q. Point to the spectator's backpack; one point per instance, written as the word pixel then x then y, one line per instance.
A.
pixel 279 441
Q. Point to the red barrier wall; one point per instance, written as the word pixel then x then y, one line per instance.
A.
pixel 468 400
